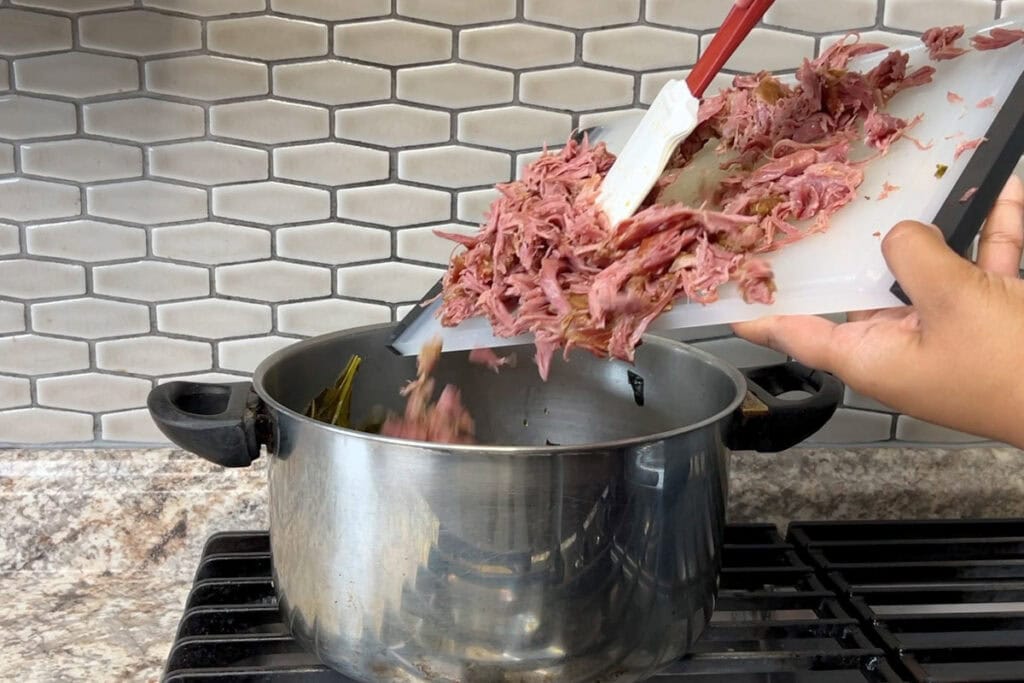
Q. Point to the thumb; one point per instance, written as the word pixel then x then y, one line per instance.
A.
pixel 932 274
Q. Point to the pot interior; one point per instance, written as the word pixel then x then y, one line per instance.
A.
pixel 586 400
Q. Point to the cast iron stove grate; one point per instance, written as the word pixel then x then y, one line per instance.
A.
pixel 945 598
pixel 775 622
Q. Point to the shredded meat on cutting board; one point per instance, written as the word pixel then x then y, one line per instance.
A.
pixel 546 260
pixel 941 42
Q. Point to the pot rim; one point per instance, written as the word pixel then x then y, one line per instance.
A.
pixel 739 381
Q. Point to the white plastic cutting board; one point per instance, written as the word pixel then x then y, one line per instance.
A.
pixel 843 269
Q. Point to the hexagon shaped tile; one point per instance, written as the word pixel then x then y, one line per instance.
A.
pixel 583 13
pixel 423 244
pixel 206 77
pixel 332 82
pixel 331 163
pixel 82 160
pixel 693 15
pixel 90 318
pixel 23 32
pixel 143 119
pixel 24 199
pixel 134 426
pixel 392 42
pixel 86 240
pixel 394 205
pixel 392 282
pixel 271 203
pixel 139 32
pixel 270 121
pixel 455 85
pixel 31 117
pixel 472 206
pixel 73 8
pixel 213 318
pixel 454 166
pixel 332 10
pixel 333 243
pixel 576 88
pixel 6 158
pixel 393 125
pixel 457 11
pixel 211 242
pixel 93 391
pixel 10 243
pixel 30 354
pixel 517 46
pixel 14 392
pixel 12 317
pixel 514 128
pixel 267 37
pixel 154 355
pixel 208 162
pixel 39 425
pixel 33 279
pixel 244 355
pixel 312 318
pixel 273 281
pixel 767 49
pixel 151 281
pixel 640 48
pixel 146 202
pixel 76 74
pixel 203 8
pixel 4 79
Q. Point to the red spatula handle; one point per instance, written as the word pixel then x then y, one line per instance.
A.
pixel 734 30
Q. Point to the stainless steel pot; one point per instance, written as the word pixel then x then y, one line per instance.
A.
pixel 585 547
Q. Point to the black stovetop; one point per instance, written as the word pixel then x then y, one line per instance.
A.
pixel 935 601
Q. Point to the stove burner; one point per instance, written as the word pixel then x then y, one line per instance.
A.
pixel 881 602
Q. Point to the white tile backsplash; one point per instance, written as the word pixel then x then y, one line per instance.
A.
pixel 154 355
pixel 211 242
pixel 208 162
pixel 393 42
pixel 24 199
pixel 187 186
pixel 23 32
pixel 85 240
pixel 82 160
pixel 151 281
pixel 36 279
pixel 91 391
pixel 15 392
pixel 267 38
pixel 333 243
pixel 76 75
pixel 146 201
pixel 90 318
pixel 140 32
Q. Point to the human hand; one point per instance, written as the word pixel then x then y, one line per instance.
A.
pixel 956 358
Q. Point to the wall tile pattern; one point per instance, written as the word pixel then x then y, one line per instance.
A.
pixel 187 186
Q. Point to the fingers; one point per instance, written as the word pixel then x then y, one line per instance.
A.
pixel 933 275
pixel 1002 237
pixel 806 338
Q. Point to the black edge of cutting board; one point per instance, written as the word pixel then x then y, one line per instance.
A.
pixel 990 167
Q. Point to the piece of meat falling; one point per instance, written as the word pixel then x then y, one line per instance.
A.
pixel 490 359
pixel 953 98
pixel 968 195
pixel 998 38
pixel 444 421
pixel 967 146
pixel 887 189
pixel 986 103
pixel 941 42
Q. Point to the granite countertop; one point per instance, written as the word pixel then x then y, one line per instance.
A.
pixel 99 547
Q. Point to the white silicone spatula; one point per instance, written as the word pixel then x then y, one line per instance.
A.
pixel 641 161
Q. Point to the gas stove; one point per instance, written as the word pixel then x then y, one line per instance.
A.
pixel 935 601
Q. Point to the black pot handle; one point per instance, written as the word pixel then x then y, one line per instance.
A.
pixel 769 424
pixel 218 422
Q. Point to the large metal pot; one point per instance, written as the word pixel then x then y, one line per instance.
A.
pixel 585 547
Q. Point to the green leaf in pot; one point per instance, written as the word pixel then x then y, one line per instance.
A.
pixel 334 404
